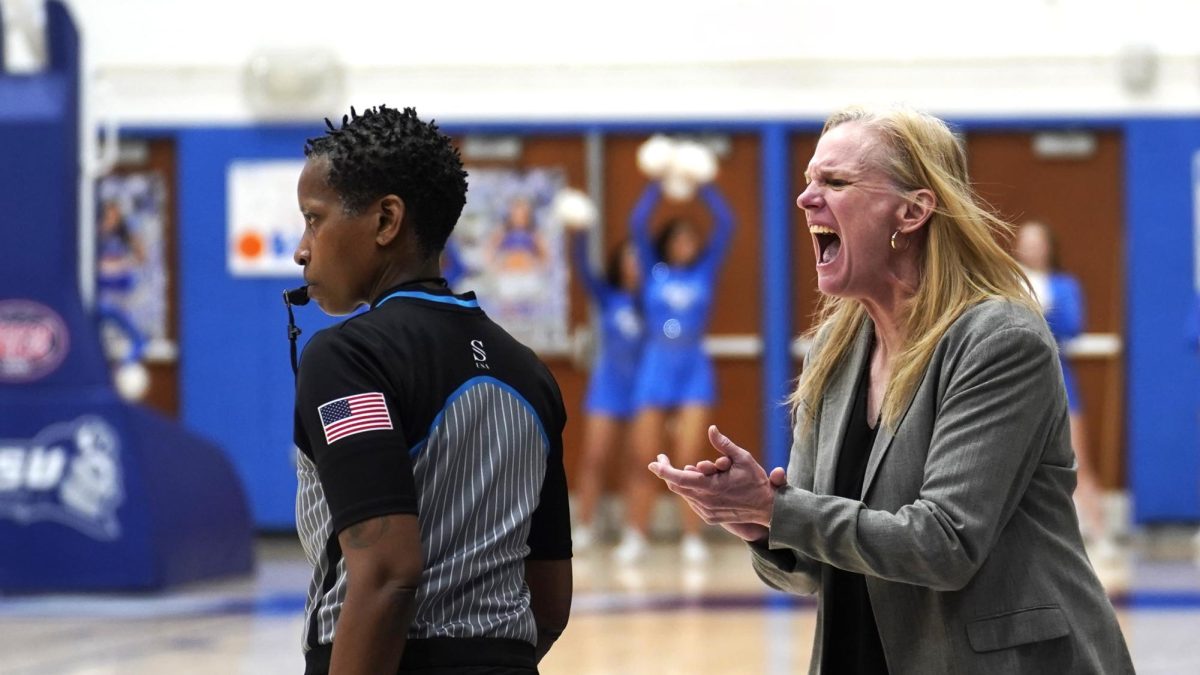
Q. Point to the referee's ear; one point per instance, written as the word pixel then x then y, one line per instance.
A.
pixel 391 220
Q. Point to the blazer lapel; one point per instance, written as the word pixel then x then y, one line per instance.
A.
pixel 883 442
pixel 836 406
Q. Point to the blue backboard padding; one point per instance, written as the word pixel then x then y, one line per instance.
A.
pixel 179 512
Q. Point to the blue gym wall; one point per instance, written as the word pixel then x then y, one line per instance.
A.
pixel 235 379
pixel 236 383
pixel 1163 367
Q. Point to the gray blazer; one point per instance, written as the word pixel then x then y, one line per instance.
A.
pixel 966 531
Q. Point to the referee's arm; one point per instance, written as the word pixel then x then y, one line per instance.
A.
pixel 548 565
pixel 369 488
pixel 380 541
pixel 550 599
pixel 383 569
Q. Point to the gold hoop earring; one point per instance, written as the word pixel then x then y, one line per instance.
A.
pixel 897 248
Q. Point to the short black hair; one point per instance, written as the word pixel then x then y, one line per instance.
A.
pixel 387 151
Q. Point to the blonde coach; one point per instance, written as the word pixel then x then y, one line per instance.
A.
pixel 928 495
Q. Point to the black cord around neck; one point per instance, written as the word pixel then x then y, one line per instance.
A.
pixel 293 333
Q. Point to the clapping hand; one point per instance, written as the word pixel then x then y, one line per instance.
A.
pixel 733 490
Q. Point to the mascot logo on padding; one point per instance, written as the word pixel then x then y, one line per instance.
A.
pixel 70 473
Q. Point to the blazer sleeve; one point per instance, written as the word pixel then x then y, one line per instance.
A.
pixel 986 443
pixel 784 568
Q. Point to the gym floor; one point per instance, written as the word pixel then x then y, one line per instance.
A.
pixel 659 616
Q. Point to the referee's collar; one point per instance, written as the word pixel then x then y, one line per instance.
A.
pixel 429 290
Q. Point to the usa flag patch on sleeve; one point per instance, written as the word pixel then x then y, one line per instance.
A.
pixel 353 415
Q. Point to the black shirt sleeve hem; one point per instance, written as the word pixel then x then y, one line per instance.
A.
pixel 361 512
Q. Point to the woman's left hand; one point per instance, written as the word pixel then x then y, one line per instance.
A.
pixel 732 489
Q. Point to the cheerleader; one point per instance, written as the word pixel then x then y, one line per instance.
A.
pixel 675 387
pixel 609 404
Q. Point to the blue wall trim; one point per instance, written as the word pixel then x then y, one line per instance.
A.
pixel 713 125
pixel 776 293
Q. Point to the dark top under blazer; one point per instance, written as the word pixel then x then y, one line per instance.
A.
pixel 852 639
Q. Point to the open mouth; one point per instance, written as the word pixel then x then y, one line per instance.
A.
pixel 828 243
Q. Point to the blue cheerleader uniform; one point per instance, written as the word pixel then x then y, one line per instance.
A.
pixel 676 305
pixel 610 389
pixel 1065 319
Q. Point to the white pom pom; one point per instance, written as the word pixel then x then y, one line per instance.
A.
pixel 678 187
pixel 695 161
pixel 654 156
pixel 575 209
pixel 132 381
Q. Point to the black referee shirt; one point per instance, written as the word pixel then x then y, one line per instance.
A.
pixel 423 405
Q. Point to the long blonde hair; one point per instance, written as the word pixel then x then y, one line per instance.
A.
pixel 962 263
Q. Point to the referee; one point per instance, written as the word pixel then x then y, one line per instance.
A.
pixel 432 501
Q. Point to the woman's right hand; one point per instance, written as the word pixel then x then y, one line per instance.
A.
pixel 753 532
pixel 750 532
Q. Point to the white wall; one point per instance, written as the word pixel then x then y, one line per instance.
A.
pixel 170 61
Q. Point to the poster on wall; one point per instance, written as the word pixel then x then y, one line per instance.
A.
pixel 508 248
pixel 131 270
pixel 264 223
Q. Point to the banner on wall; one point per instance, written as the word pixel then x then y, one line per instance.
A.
pixel 264 224
pixel 508 248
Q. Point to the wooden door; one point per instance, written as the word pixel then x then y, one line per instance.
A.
pixel 1078 192
pixel 805 297
pixel 736 317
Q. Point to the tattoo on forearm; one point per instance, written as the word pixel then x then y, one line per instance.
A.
pixel 366 533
